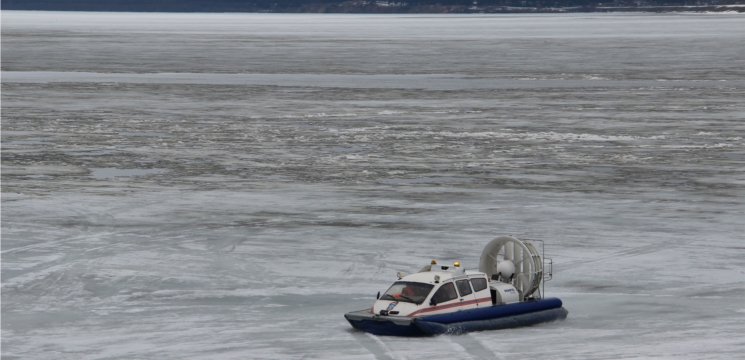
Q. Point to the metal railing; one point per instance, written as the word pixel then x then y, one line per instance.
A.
pixel 547 275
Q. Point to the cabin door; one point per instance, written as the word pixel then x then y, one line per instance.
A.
pixel 465 294
pixel 481 291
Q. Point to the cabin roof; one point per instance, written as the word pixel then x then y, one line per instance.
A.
pixel 428 276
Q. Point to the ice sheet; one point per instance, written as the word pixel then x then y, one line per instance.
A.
pixel 309 158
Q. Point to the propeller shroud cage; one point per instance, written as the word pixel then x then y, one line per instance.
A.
pixel 527 261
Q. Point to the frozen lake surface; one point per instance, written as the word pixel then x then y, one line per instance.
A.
pixel 180 186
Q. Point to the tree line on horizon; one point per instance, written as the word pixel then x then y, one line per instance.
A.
pixel 316 5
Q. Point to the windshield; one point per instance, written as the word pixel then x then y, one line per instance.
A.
pixel 408 292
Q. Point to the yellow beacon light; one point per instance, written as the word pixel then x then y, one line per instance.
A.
pixel 434 262
pixel 457 264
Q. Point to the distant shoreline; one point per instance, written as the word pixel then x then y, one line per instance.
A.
pixel 367 7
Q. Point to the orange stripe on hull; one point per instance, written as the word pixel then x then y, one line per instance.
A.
pixel 450 306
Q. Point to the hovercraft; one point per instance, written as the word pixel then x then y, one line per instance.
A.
pixel 505 292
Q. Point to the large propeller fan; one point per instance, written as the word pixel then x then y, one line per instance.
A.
pixel 514 261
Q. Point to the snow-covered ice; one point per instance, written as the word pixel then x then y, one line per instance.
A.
pixel 229 185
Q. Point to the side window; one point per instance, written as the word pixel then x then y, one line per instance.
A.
pixel 478 284
pixel 464 288
pixel 445 293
